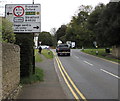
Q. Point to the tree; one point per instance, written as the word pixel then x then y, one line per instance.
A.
pixel 60 33
pixel 45 38
pixel 93 20
pixel 77 29
pixel 7 31
pixel 54 39
pixel 108 27
pixel 53 31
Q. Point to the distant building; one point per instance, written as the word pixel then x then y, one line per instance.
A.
pixel 59 42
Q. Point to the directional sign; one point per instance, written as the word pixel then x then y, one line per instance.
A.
pixel 25 17
pixel 26 27
pixel 8 13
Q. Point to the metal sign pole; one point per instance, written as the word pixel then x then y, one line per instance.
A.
pixel 33 1
pixel 33 56
pixel 26 19
pixel 33 53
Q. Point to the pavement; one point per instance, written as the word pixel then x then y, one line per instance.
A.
pixel 50 88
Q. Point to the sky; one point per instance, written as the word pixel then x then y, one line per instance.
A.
pixel 54 13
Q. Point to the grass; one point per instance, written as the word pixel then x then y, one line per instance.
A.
pixel 47 53
pixel 37 56
pixel 37 77
pixel 39 74
pixel 101 53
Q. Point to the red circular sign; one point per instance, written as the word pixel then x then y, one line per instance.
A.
pixel 18 11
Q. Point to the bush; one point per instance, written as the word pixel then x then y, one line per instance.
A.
pixel 25 41
pixel 7 31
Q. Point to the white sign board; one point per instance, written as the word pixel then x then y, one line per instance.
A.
pixel 73 44
pixel 25 17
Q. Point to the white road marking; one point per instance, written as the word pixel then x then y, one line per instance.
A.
pixel 88 63
pixel 110 73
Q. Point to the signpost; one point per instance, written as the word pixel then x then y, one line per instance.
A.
pixel 25 17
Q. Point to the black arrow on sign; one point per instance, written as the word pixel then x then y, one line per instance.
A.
pixel 8 13
pixel 37 27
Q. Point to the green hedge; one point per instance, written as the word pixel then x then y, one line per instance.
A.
pixel 25 41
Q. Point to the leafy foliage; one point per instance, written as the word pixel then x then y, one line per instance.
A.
pixel 45 38
pixel 101 24
pixel 25 41
pixel 77 29
pixel 109 24
pixel 7 31
pixel 60 33
pixel 93 21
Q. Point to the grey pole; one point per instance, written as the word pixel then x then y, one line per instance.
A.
pixel 33 53
pixel 33 1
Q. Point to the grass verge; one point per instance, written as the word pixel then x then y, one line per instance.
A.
pixel 37 77
pixel 37 56
pixel 101 53
pixel 47 53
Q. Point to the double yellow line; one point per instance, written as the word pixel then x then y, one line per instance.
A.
pixel 69 81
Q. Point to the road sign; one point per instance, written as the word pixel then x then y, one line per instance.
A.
pixel 26 27
pixel 18 11
pixel 25 17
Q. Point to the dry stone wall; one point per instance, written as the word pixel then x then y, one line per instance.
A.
pixel 10 69
pixel 0 71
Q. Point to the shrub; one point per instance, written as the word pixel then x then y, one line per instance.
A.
pixel 6 28
pixel 25 41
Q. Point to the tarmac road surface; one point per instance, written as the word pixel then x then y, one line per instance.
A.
pixel 95 78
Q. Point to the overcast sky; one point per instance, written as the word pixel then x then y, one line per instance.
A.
pixel 54 13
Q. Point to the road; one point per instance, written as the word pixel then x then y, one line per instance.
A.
pixel 95 78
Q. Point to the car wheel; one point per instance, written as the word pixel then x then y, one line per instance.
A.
pixel 68 54
pixel 58 54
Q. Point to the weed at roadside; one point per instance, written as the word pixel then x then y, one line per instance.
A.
pixel 37 77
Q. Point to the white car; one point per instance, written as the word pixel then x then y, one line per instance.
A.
pixel 45 47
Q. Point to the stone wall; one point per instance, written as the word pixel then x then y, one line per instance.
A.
pixel 0 61
pixel 10 69
pixel 0 71
pixel 116 51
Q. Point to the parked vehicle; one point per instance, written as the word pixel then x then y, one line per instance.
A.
pixel 45 47
pixel 63 49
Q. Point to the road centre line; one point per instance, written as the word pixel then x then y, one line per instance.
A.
pixel 72 83
pixel 110 73
pixel 88 63
pixel 66 81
